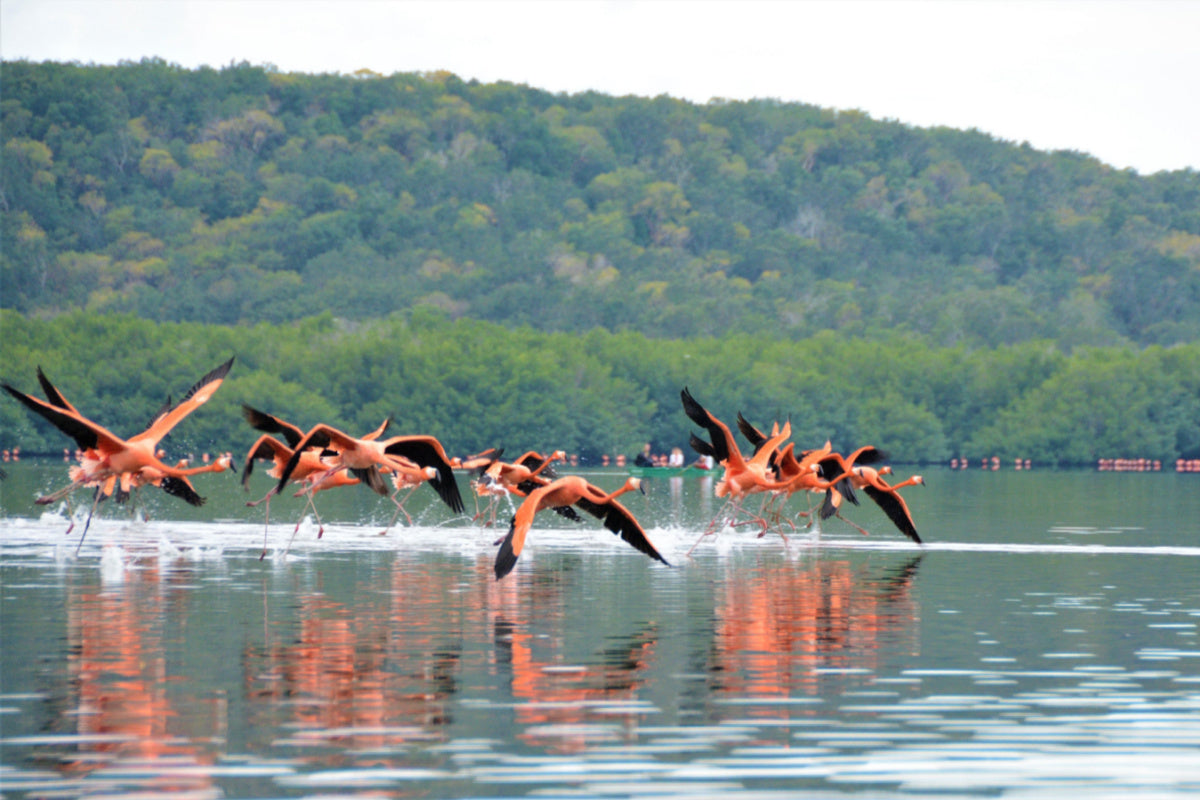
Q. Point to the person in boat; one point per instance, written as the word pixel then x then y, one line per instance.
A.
pixel 644 458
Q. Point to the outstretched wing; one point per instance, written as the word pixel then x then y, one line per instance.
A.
pixel 718 432
pixel 264 448
pixel 268 423
pixel 896 509
pixel 52 394
pixel 426 451
pixel 196 396
pixel 319 436
pixel 618 519
pixel 87 434
pixel 182 488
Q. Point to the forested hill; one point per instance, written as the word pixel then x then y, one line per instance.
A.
pixel 245 194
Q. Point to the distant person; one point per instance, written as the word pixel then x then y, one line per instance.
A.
pixel 676 458
pixel 644 458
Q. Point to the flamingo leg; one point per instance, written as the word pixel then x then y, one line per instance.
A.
pixel 711 530
pixel 861 530
pixel 320 524
pixel 88 524
pixel 399 509
pixel 66 492
pixel 266 498
pixel 488 511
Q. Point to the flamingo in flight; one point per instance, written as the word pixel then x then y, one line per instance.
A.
pixel 885 495
pixel 107 458
pixel 742 476
pixel 568 491
pixel 363 458
pixel 308 468
pixel 502 479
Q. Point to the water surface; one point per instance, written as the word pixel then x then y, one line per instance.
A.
pixel 1043 642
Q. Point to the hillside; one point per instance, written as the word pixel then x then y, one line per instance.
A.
pixel 243 195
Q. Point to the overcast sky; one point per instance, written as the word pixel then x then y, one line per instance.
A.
pixel 1119 80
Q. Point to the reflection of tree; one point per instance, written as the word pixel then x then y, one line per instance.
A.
pixel 118 666
pixel 780 629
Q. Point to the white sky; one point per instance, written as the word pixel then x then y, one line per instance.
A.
pixel 1118 79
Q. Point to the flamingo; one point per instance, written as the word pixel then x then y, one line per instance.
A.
pixel 311 471
pixel 742 476
pixel 406 475
pixel 107 458
pixel 501 479
pixel 363 457
pixel 886 496
pixel 568 491
pixel 266 447
pixel 179 485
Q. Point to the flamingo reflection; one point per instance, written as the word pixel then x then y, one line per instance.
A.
pixel 783 630
pixel 125 706
pixel 558 698
pixel 371 673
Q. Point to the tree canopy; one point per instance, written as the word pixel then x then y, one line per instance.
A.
pixel 503 266
pixel 243 194
pixel 475 384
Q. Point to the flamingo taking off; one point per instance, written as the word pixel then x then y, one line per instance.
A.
pixel 363 458
pixel 568 491
pixel 502 479
pixel 885 495
pixel 107 458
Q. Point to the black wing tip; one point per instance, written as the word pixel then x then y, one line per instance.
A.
pixel 215 374
pixel 752 434
pixel 180 488
pixel 828 509
pixel 506 559
pixel 872 455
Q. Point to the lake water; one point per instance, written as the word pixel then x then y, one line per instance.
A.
pixel 1043 643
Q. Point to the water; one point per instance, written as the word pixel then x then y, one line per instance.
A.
pixel 1042 644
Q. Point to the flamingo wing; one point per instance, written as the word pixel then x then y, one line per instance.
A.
pixel 896 509
pixel 53 394
pixel 621 521
pixel 268 423
pixel 196 396
pixel 833 500
pixel 561 492
pixel 702 447
pixel 426 451
pixel 723 446
pixel 264 448
pixel 182 488
pixel 87 434
pixel 375 434
pixel 371 477
pixel 753 435
pixel 318 436
pixel 533 460
pixel 537 481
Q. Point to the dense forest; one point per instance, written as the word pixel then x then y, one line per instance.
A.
pixel 475 384
pixel 244 194
pixel 499 265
